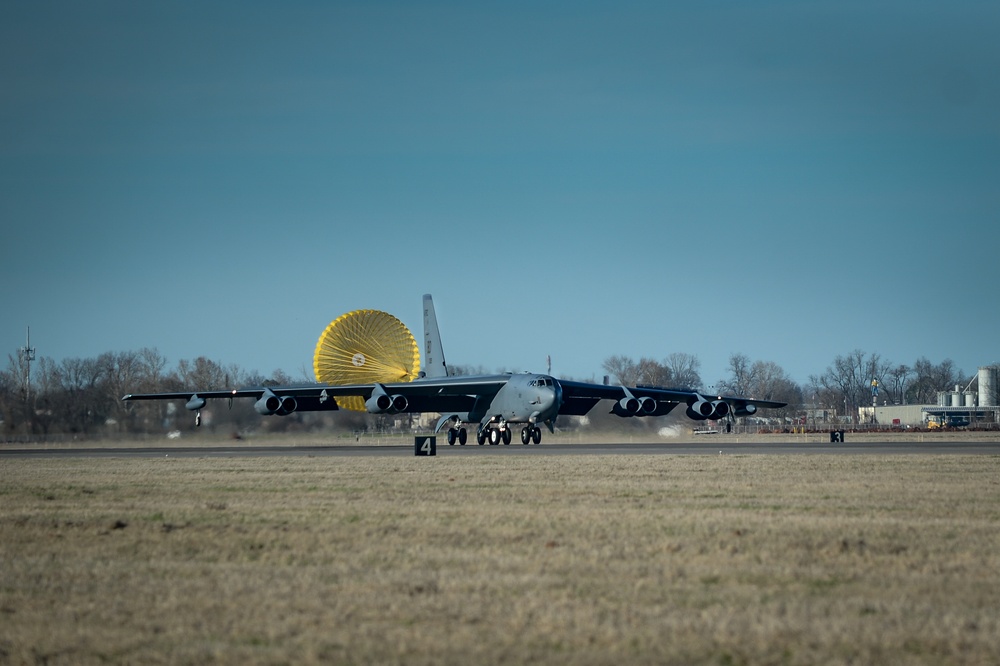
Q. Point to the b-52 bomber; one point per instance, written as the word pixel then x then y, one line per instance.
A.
pixel 493 403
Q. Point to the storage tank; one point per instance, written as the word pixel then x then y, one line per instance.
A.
pixel 970 398
pixel 942 399
pixel 956 397
pixel 988 386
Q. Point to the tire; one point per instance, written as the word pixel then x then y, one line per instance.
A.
pixel 463 436
pixel 525 436
pixel 494 436
pixel 451 437
pixel 536 435
pixel 506 435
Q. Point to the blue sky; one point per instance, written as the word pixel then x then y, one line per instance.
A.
pixel 787 180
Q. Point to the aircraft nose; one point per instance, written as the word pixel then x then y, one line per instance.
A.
pixel 553 398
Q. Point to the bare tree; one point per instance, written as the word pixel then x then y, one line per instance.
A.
pixel 652 373
pixel 207 374
pixel 763 380
pixel 122 371
pixel 151 367
pixel 7 401
pixel 16 408
pixel 770 381
pixel 623 369
pixel 741 376
pixel 930 379
pixel 683 371
pixel 896 381
pixel 849 380
pixel 49 412
pixel 279 378
pixel 80 396
pixel 678 370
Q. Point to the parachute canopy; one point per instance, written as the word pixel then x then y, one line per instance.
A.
pixel 364 347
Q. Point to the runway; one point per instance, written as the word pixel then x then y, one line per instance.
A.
pixel 658 448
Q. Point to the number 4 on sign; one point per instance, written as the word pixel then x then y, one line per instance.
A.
pixel 425 446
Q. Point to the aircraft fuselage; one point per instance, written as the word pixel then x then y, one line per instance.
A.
pixel 524 399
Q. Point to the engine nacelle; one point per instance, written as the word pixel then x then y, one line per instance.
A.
pixel 633 406
pixel 383 403
pixel 268 404
pixel 377 404
pixel 700 409
pixel 195 403
pixel 288 405
pixel 627 406
pixel 745 410
pixel 272 404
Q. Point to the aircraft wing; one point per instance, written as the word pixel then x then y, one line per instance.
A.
pixel 444 394
pixel 580 397
pixel 424 395
pixel 464 394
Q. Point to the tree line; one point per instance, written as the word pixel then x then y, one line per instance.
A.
pixel 847 383
pixel 83 396
pixel 845 386
pixel 763 380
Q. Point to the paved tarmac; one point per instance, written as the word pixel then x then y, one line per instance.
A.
pixel 665 448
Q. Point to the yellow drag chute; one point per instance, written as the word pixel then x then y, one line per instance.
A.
pixel 364 347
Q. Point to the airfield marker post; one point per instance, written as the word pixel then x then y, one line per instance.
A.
pixel 425 445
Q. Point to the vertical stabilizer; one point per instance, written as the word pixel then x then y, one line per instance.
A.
pixel 434 364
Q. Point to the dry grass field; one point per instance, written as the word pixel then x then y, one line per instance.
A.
pixel 497 559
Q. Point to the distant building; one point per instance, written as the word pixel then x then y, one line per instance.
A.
pixel 954 407
pixel 899 415
pixel 966 407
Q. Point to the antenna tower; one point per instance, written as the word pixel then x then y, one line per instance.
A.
pixel 27 354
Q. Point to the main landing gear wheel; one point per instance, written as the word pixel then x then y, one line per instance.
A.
pixel 494 436
pixel 365 347
pixel 459 434
pixel 531 434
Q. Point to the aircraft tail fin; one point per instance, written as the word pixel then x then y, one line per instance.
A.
pixel 434 363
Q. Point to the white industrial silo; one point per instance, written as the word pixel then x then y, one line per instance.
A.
pixel 988 386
